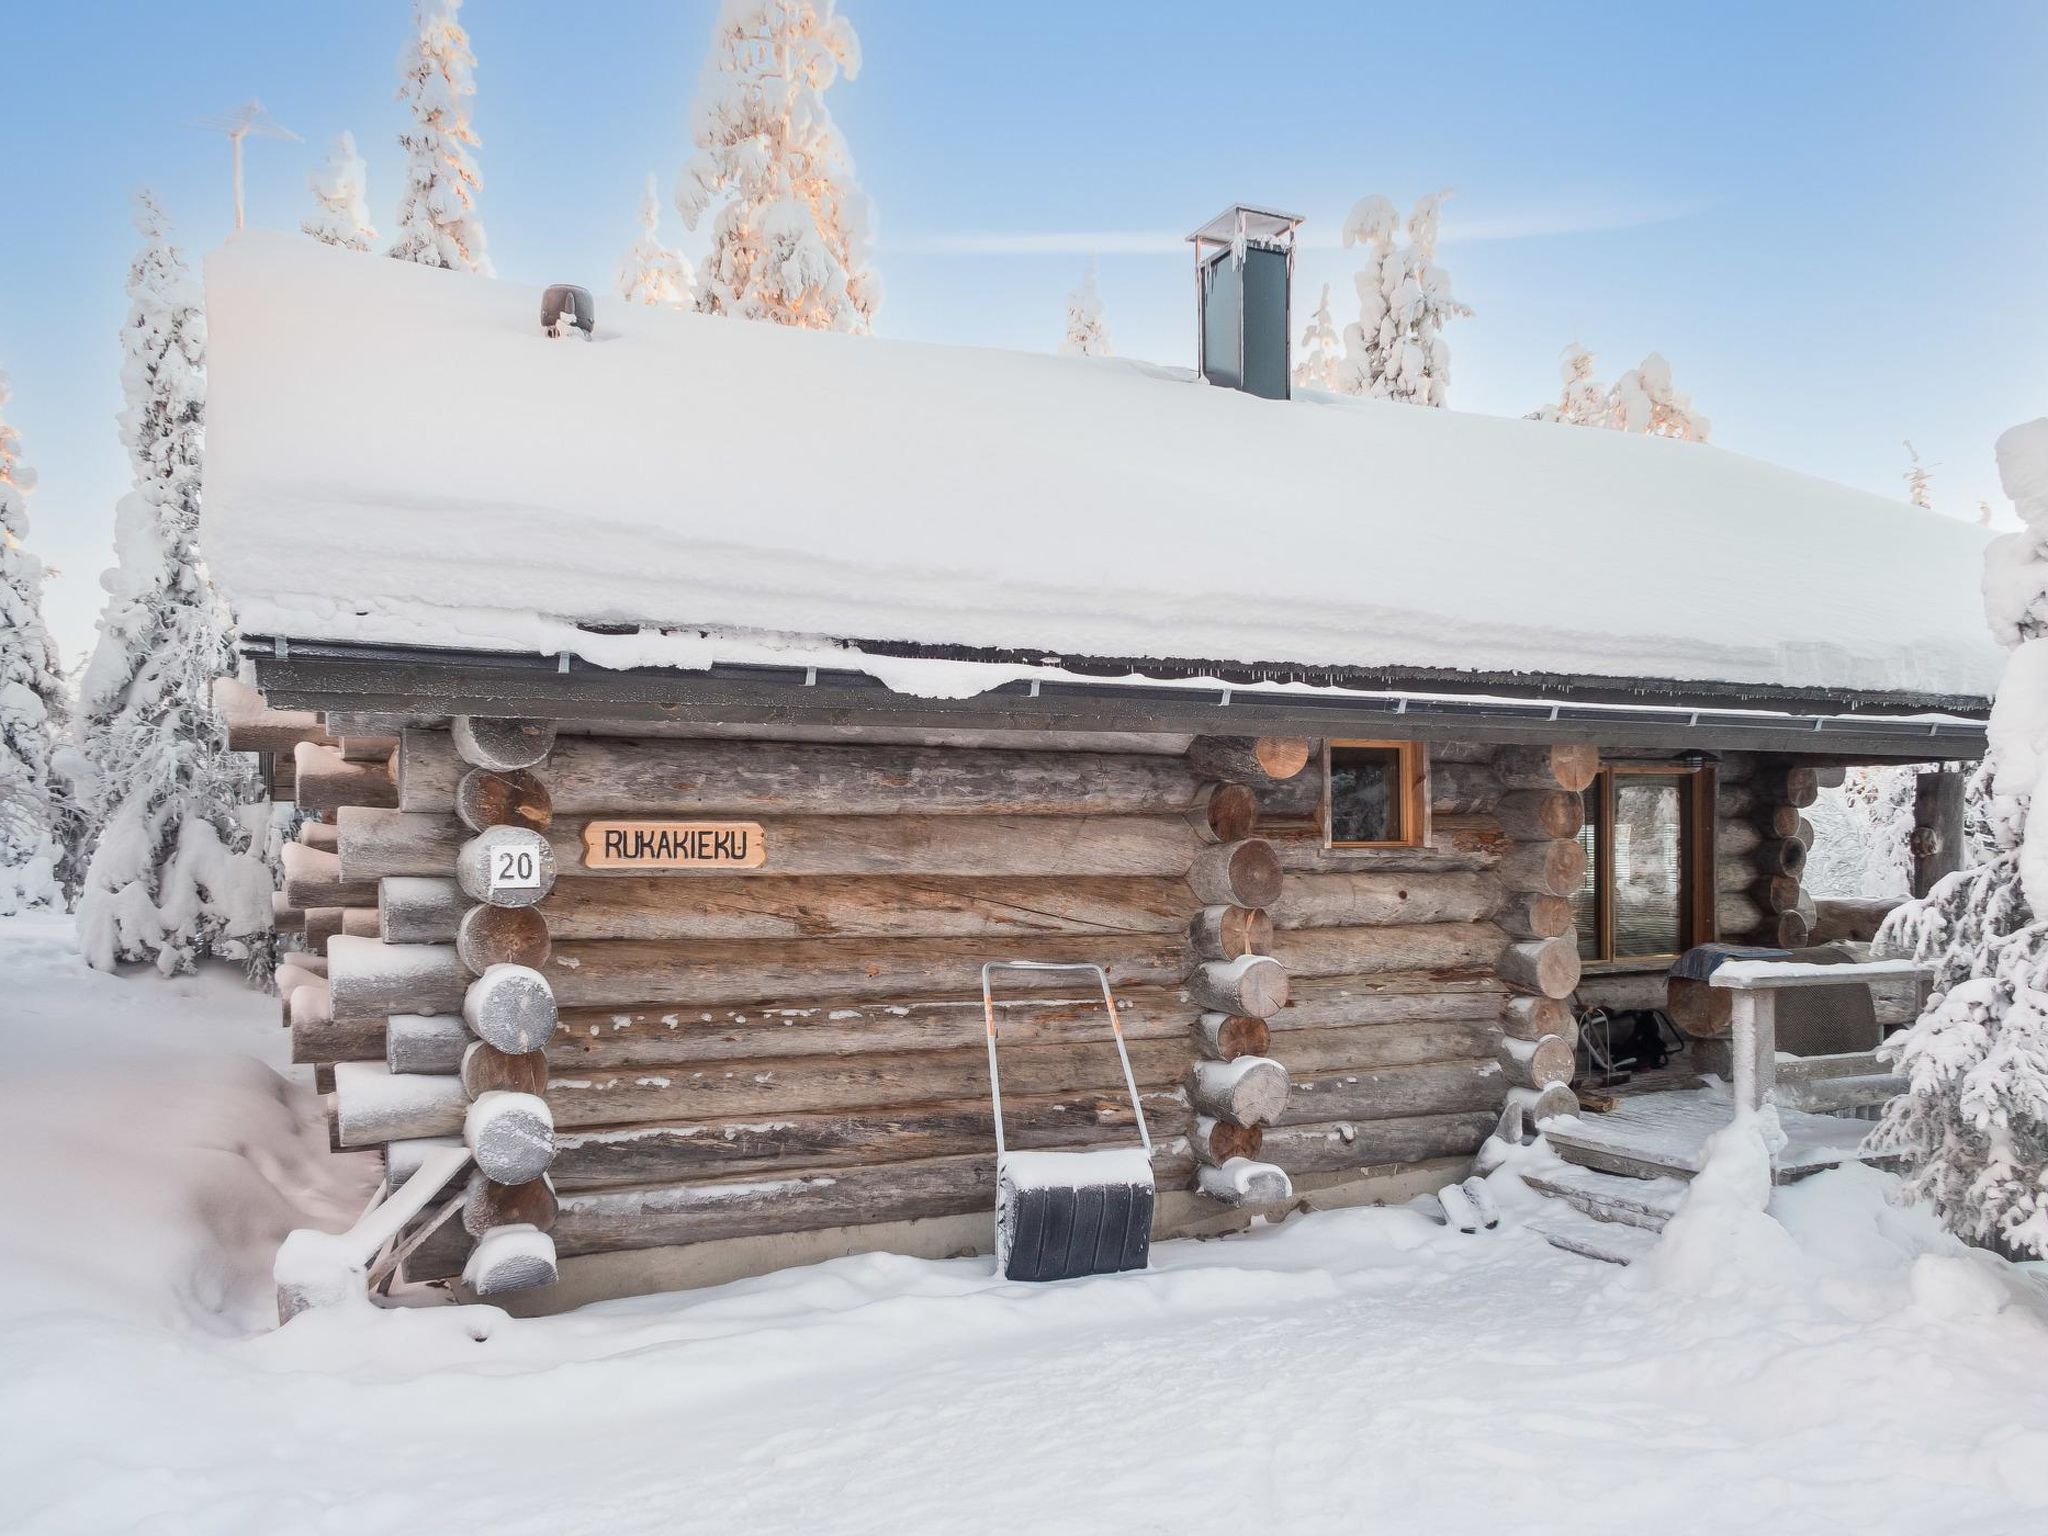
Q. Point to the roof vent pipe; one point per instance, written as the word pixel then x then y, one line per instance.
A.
pixel 564 308
pixel 1244 282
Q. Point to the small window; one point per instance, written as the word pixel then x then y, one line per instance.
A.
pixel 1377 794
pixel 1648 888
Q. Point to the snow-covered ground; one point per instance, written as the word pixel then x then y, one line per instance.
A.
pixel 1850 1371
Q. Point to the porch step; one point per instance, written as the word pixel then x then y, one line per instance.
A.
pixel 1611 1242
pixel 1826 1095
pixel 1643 1203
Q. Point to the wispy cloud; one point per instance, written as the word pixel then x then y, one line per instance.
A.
pixel 1319 233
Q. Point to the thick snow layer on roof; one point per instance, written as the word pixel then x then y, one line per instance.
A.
pixel 398 454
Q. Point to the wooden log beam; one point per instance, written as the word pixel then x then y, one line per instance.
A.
pixel 511 1135
pixel 592 1039
pixel 1537 1063
pixel 1780 856
pixel 283 915
pixel 489 936
pixel 378 843
pixel 414 909
pixel 368 749
pixel 501 745
pixel 1391 997
pixel 253 726
pixel 486 1069
pixel 1253 760
pixel 730 971
pixel 1343 1145
pixel 1239 874
pixel 486 799
pixel 1215 1142
pixel 506 867
pixel 1434 1088
pixel 1254 986
pixel 425 1042
pixel 1535 1018
pixel 313 878
pixel 1249 1091
pixel 1699 1010
pixel 1556 868
pixel 1226 933
pixel 318 1037
pixel 487 1204
pixel 866 906
pixel 1568 766
pixel 661 1215
pixel 324 835
pixel 1785 785
pixel 320 925
pixel 1534 915
pixel 1407 947
pixel 372 980
pixel 655 777
pixel 1227 1036
pixel 373 1105
pixel 1544 967
pixel 511 1007
pixel 1840 920
pixel 1538 815
pixel 696 1149
pixel 1369 899
pixel 515 1257
pixel 326 780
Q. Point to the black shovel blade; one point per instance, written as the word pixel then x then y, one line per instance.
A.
pixel 1060 1231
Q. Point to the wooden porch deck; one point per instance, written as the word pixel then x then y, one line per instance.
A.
pixel 1664 1135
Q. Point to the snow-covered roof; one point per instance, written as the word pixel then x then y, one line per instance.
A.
pixel 397 454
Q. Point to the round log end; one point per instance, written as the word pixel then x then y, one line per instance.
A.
pixel 511 1136
pixel 1545 967
pixel 513 1258
pixel 486 799
pixel 489 936
pixel 506 867
pixel 1229 815
pixel 1253 1090
pixel 1228 1036
pixel 511 1007
pixel 1532 1018
pixel 486 1069
pixel 1217 1141
pixel 487 1204
pixel 503 746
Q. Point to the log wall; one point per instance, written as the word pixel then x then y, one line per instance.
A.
pixel 659 1057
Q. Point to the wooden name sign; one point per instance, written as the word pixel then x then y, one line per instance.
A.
pixel 674 845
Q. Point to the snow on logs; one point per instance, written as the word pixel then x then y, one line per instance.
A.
pixel 511 1007
pixel 313 878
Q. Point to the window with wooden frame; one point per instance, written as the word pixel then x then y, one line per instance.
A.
pixel 1375 794
pixel 1649 887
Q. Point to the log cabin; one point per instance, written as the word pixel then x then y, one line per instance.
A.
pixel 685 711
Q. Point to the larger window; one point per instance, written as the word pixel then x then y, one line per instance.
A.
pixel 1649 887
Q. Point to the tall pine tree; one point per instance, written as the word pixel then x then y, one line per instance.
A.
pixel 33 802
pixel 437 222
pixel 1645 400
pixel 1087 335
pixel 1396 349
pixel 1582 399
pixel 1972 1126
pixel 339 216
pixel 170 878
pixel 652 272
pixel 789 242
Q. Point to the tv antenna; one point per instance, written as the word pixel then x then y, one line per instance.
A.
pixel 238 124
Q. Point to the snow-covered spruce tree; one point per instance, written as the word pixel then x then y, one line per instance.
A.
pixel 170 878
pixel 651 272
pixel 33 804
pixel 437 222
pixel 1863 836
pixel 1919 482
pixel 1087 334
pixel 340 216
pixel 789 242
pixel 1396 348
pixel 1322 355
pixel 1644 400
pixel 1972 1126
pixel 1371 224
pixel 1582 401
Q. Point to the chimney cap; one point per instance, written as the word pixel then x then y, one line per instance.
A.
pixel 1256 224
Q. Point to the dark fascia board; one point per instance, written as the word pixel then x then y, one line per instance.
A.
pixel 416 680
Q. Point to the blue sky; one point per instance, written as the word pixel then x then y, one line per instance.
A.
pixel 1829 217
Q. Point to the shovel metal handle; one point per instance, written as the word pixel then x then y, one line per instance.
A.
pixel 988 1010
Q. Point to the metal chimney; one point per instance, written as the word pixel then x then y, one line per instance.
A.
pixel 1244 283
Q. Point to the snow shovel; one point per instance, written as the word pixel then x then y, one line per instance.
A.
pixel 1063 1214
